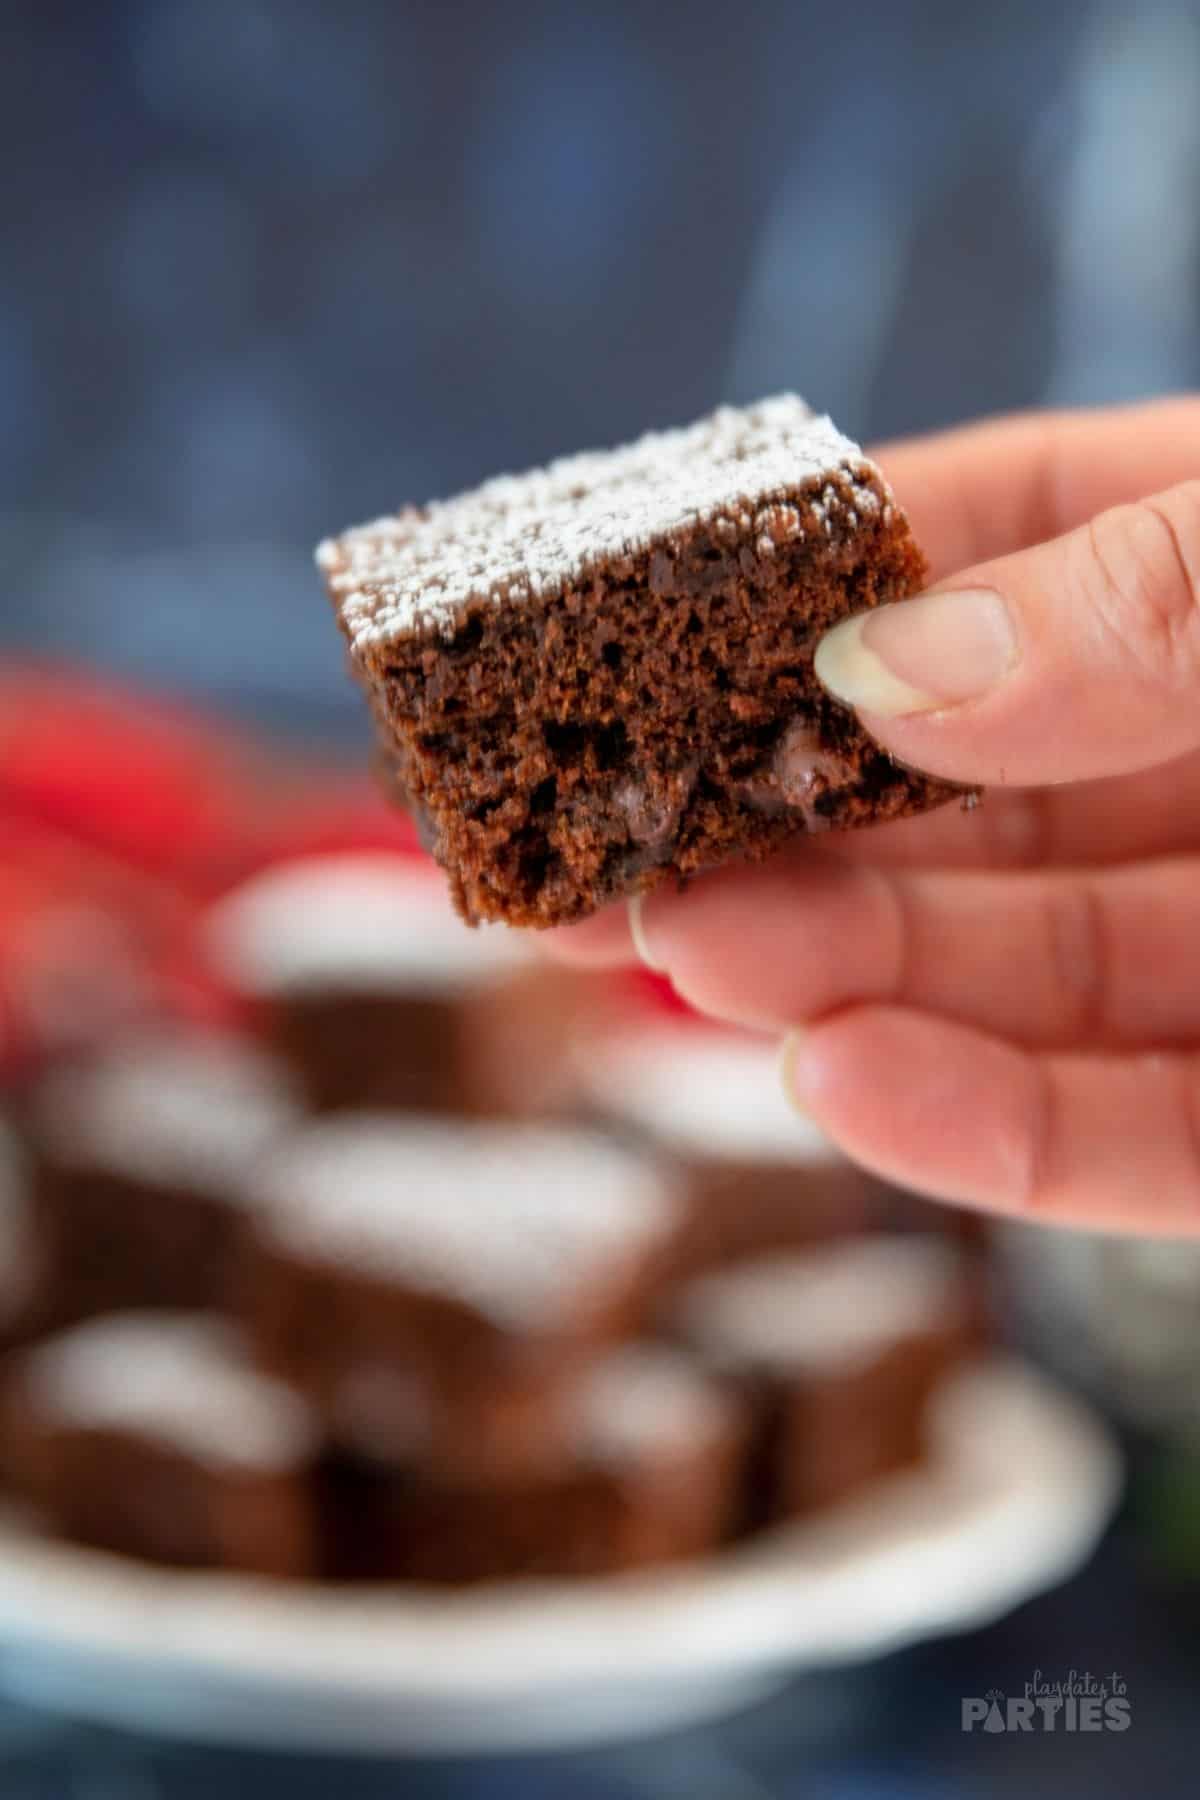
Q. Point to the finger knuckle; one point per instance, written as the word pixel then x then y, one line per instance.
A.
pixel 1077 936
pixel 1145 573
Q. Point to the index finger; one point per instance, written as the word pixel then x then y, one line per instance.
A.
pixel 981 491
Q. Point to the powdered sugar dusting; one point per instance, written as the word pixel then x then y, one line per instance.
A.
pixel 178 1378
pixel 765 473
pixel 645 1399
pixel 832 1308
pixel 190 1114
pixel 516 1222
pixel 357 922
pixel 703 1093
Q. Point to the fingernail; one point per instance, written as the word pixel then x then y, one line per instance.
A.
pixel 919 655
pixel 791 1050
pixel 637 931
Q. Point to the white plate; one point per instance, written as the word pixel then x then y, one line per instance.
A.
pixel 1019 1485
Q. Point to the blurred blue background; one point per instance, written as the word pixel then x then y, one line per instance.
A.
pixel 275 265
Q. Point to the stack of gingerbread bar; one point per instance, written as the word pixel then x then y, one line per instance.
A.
pixel 423 1278
pixel 378 1344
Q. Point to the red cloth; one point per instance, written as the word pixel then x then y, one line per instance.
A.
pixel 118 817
pixel 121 818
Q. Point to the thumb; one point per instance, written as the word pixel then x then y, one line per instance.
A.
pixel 1075 659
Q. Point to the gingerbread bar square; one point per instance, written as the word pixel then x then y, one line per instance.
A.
pixel 150 1434
pixel 596 676
pixel 442 1281
pixel 137 1159
pixel 843 1345
pixel 756 1176
pixel 373 991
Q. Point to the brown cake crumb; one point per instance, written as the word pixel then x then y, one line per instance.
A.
pixel 596 676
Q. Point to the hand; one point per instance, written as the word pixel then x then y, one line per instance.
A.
pixel 1001 1007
